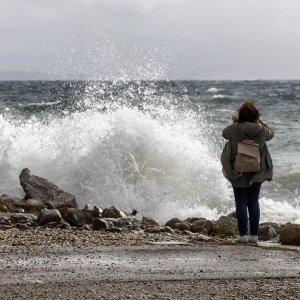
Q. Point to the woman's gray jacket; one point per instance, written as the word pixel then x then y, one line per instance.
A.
pixel 257 132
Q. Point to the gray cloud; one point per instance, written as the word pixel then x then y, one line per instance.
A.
pixel 183 39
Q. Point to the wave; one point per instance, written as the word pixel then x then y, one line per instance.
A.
pixel 212 90
pixel 155 159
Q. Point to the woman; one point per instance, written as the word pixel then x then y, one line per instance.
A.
pixel 246 186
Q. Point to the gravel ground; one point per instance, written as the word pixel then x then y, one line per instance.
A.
pixel 31 268
pixel 259 288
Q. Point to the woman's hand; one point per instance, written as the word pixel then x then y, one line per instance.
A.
pixel 235 118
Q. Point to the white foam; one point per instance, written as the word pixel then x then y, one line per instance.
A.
pixel 212 90
pixel 279 212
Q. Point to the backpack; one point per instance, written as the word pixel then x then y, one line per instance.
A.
pixel 248 158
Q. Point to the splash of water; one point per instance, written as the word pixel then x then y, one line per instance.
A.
pixel 154 158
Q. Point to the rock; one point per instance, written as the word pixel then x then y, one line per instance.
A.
pixel 99 224
pixel 4 220
pixel 52 224
pixel 78 217
pixel 171 223
pixel 202 237
pixel 232 215
pixel 146 221
pixel 134 212
pixel 88 207
pixel 3 208
pixel 113 212
pixel 225 226
pixel 98 210
pixel 268 231
pixel 182 226
pixel 202 226
pixel 29 205
pixel 167 229
pixel 22 218
pixel 22 226
pixel 290 234
pixel 40 188
pixel 153 229
pixel 192 220
pixel 48 216
pixel 128 222
pixel 49 205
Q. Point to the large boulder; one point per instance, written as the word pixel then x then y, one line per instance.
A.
pixel 182 226
pixel 202 225
pixel 113 212
pixel 78 217
pixel 29 205
pixel 171 223
pixel 49 216
pixel 40 188
pixel 225 226
pixel 290 234
pixel 268 231
pixel 147 221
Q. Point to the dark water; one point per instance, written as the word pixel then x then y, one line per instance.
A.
pixel 151 145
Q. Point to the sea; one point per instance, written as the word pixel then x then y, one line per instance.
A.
pixel 153 146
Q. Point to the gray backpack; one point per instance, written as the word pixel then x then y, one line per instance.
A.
pixel 248 158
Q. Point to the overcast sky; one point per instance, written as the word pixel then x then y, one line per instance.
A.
pixel 152 39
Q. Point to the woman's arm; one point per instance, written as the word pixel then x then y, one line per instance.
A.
pixel 268 130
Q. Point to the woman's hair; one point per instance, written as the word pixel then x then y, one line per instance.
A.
pixel 248 113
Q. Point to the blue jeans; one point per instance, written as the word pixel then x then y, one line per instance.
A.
pixel 246 200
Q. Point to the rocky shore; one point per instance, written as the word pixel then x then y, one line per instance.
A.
pixel 45 206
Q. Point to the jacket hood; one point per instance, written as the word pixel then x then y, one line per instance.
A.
pixel 250 129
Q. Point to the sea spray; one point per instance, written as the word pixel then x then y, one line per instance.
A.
pixel 154 159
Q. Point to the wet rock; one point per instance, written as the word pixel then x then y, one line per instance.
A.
pixel 48 216
pixel 22 218
pixel 29 205
pixel 171 223
pixel 192 220
pixel 100 224
pixel 78 217
pixel 146 221
pixel 40 188
pixel 225 226
pixel 182 226
pixel 113 212
pixel 232 215
pixel 290 234
pixel 202 226
pixel 19 210
pixel 268 231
